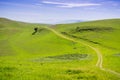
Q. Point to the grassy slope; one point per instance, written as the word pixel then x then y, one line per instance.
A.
pixel 107 40
pixel 27 57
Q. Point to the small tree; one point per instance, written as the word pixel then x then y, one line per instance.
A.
pixel 35 31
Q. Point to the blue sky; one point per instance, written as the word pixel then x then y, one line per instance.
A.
pixel 49 11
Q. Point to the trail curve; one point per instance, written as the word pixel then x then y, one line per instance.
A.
pixel 99 54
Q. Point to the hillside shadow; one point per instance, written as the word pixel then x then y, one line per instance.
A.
pixel 93 28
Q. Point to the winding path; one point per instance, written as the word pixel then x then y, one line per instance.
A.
pixel 99 54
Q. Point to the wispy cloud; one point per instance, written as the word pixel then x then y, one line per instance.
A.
pixel 71 5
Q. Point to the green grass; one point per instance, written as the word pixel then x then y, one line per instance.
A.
pixel 46 56
pixel 102 31
pixel 103 34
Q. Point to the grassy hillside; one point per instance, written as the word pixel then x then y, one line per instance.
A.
pixel 45 55
pixel 103 34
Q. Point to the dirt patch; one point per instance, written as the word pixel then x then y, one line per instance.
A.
pixel 74 71
pixel 118 54
pixel 75 56
pixel 65 57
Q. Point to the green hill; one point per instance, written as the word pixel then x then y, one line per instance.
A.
pixel 69 54
pixel 102 32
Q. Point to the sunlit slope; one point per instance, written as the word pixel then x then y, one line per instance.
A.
pixel 102 32
pixel 8 29
pixel 45 55
pixel 20 38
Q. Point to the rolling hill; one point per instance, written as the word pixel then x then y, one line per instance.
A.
pixel 64 52
pixel 103 34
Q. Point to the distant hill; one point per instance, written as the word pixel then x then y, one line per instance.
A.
pixel 68 21
pixel 4 22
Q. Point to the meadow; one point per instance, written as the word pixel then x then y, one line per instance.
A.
pixel 48 55
pixel 102 34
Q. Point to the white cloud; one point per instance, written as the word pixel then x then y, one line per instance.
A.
pixel 71 5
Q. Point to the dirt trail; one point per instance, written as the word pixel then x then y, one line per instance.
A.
pixel 99 54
